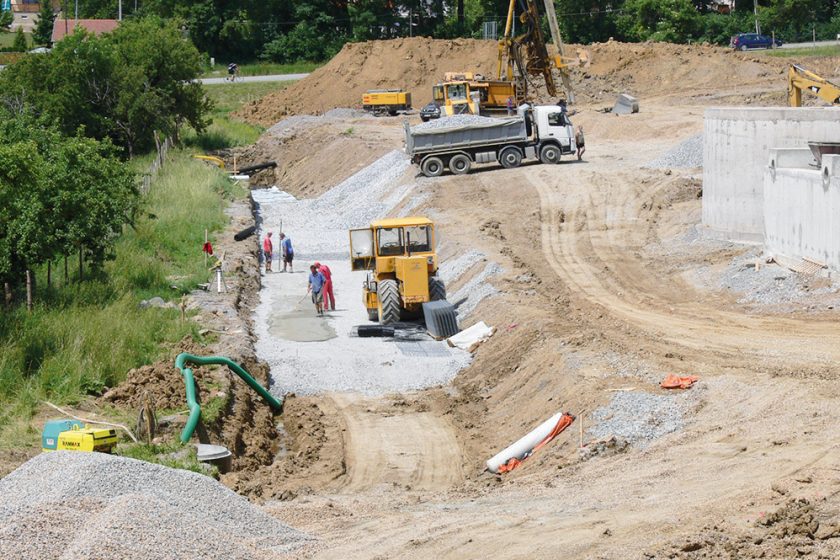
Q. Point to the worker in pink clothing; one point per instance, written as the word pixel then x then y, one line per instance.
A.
pixel 329 297
pixel 268 249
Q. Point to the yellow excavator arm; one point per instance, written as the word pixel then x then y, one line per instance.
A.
pixel 801 79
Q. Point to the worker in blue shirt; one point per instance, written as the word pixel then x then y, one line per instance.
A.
pixel 287 253
pixel 316 286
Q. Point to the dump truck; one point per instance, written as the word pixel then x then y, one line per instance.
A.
pixel 543 132
pixel 399 255
pixel 382 101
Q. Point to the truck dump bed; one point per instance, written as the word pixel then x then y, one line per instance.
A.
pixel 439 138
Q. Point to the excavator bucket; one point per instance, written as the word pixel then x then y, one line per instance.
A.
pixel 441 318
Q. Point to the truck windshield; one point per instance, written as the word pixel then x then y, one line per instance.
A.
pixel 419 237
pixel 556 119
pixel 389 241
pixel 456 91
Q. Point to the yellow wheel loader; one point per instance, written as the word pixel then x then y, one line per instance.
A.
pixel 399 255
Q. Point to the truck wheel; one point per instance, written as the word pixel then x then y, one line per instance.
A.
pixel 432 167
pixel 550 154
pixel 437 290
pixel 510 158
pixel 392 112
pixel 389 302
pixel 460 164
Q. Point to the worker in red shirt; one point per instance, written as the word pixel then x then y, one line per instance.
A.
pixel 329 297
pixel 268 248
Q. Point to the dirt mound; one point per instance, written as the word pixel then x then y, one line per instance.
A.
pixel 416 64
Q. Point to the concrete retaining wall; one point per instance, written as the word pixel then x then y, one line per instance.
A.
pixel 736 151
pixel 802 207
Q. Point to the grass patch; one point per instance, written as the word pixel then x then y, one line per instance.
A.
pixel 823 50
pixel 175 455
pixel 84 336
pixel 7 39
pixel 226 132
pixel 262 69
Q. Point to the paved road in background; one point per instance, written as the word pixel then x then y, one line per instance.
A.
pixel 809 44
pixel 246 79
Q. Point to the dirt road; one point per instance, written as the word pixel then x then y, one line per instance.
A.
pixel 598 297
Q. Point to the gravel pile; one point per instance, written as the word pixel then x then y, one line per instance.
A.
pixel 475 291
pixel 455 121
pixel 640 418
pixel 90 505
pixel 771 284
pixel 452 269
pixel 292 124
pixel 688 153
pixel 318 227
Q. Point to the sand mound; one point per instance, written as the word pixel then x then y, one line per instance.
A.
pixel 416 64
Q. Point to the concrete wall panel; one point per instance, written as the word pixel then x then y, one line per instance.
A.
pixel 736 151
pixel 802 212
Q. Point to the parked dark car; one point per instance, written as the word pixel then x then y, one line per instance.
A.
pixel 430 111
pixel 744 41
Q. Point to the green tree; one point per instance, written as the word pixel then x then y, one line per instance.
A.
pixel 675 21
pixel 123 85
pixel 43 29
pixel 6 20
pixel 19 44
pixel 60 195
pixel 592 20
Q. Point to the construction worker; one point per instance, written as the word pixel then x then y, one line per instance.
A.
pixel 286 252
pixel 268 248
pixel 510 106
pixel 579 142
pixel 316 286
pixel 329 298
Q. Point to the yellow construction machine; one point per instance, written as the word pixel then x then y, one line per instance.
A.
pixel 381 101
pixel 520 57
pixel 399 255
pixel 801 79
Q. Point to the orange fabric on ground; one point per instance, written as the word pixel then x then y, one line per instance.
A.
pixel 677 382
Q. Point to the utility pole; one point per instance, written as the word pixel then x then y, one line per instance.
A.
pixel 119 13
pixel 410 22
pixel 755 13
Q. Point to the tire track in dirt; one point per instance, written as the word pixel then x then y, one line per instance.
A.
pixel 416 450
pixel 585 236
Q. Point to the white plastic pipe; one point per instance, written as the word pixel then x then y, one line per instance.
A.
pixel 522 446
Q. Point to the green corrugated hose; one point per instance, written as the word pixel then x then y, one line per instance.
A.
pixel 195 410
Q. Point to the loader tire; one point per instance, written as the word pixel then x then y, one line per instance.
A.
pixel 389 302
pixel 510 157
pixel 550 154
pixel 437 290
pixel 432 167
pixel 460 164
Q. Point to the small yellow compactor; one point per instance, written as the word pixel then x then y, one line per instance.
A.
pixel 399 255
pixel 73 435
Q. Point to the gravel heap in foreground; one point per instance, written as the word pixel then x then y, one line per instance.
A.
pixel 688 153
pixel 73 505
pixel 455 121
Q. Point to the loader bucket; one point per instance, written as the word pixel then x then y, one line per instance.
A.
pixel 441 318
